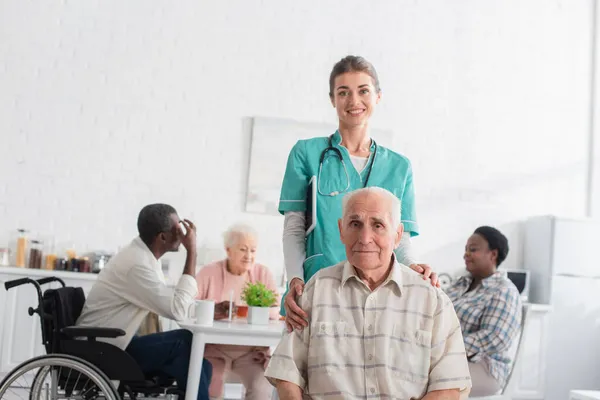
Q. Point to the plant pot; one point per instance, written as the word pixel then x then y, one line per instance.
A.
pixel 258 315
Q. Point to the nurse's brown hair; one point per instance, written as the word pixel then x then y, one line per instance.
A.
pixel 353 64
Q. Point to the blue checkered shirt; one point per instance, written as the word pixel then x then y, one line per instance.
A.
pixel 490 318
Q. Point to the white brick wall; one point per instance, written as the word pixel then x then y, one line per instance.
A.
pixel 108 105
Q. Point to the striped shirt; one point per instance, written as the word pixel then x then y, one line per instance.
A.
pixel 399 341
pixel 490 318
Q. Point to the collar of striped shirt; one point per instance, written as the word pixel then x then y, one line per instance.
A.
pixel 394 275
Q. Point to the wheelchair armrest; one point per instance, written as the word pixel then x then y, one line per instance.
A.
pixel 92 332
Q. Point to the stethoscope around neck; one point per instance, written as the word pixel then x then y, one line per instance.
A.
pixel 338 153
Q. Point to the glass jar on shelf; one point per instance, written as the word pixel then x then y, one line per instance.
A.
pixel 70 252
pixel 19 247
pixel 85 265
pixel 50 255
pixel 35 254
pixel 4 257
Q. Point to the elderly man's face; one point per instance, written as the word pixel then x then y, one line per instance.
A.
pixel 367 232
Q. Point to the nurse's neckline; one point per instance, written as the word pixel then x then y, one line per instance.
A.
pixel 362 152
pixel 363 148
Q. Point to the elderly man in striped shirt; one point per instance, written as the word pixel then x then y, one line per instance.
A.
pixel 376 329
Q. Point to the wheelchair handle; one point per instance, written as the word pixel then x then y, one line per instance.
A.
pixel 37 283
pixel 18 282
pixel 49 279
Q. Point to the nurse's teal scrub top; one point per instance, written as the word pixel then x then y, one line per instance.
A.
pixel 390 171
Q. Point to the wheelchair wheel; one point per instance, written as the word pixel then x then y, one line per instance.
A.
pixel 54 377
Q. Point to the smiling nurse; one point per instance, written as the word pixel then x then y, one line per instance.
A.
pixel 347 160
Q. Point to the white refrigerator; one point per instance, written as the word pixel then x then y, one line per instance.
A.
pixel 563 257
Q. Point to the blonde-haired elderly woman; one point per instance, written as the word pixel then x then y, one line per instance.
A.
pixel 215 282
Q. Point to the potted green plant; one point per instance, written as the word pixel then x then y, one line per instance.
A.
pixel 259 299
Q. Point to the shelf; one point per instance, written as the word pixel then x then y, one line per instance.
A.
pixel 86 276
pixel 28 272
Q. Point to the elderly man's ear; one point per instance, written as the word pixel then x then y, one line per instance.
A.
pixel 399 233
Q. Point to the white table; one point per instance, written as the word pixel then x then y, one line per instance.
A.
pixel 236 332
pixel 584 395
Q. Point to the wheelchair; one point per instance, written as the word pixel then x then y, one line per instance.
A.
pixel 76 364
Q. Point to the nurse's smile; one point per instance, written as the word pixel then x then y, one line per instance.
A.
pixel 356 112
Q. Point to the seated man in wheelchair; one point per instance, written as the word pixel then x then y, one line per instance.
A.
pixel 132 285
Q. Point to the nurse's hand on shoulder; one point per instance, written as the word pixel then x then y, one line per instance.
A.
pixel 295 318
pixel 427 273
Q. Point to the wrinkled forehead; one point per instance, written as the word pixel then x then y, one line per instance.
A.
pixel 369 207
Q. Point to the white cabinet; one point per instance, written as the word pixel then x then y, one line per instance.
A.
pixel 529 377
pixel 20 333
pixel 585 233
pixel 561 255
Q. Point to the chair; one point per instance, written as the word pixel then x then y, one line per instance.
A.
pixel 66 351
pixel 516 354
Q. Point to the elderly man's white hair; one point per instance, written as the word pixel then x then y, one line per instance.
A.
pixel 234 232
pixel 395 205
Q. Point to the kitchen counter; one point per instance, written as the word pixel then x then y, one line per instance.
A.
pixel 41 273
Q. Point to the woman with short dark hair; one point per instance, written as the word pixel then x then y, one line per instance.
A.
pixel 489 308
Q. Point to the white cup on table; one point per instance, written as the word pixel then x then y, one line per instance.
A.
pixel 204 312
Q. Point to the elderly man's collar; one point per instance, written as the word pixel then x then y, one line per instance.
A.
pixel 395 274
